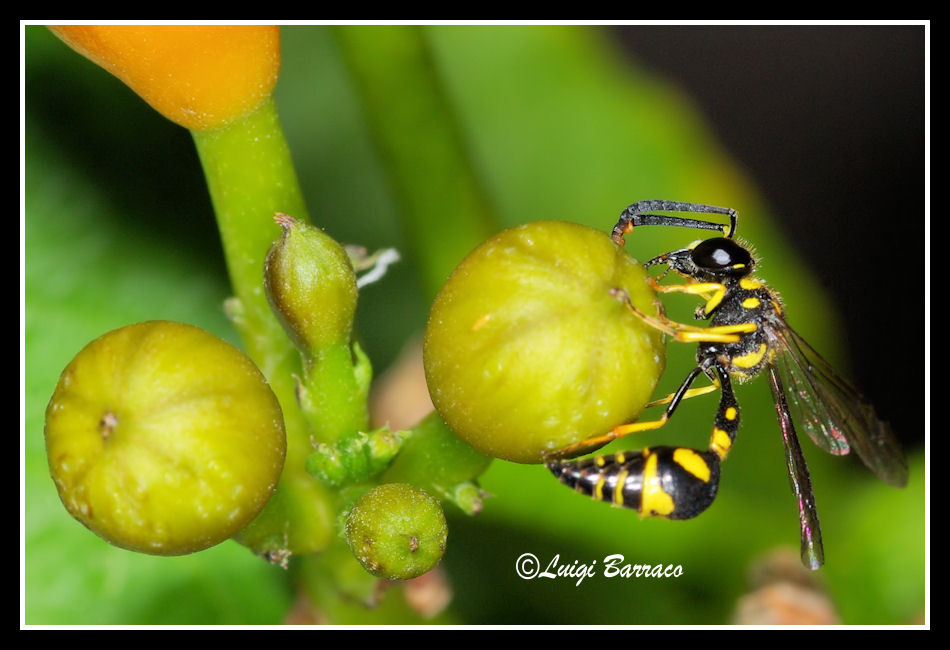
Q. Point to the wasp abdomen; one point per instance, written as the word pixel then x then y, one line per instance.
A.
pixel 670 482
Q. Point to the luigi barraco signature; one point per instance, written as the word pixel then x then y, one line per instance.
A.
pixel 528 567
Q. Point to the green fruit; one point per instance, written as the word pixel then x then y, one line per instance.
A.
pixel 164 439
pixel 528 349
pixel 397 531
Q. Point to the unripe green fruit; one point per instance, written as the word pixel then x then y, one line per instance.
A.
pixel 528 349
pixel 164 439
pixel 397 531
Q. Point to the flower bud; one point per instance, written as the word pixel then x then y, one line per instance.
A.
pixel 355 456
pixel 311 286
pixel 199 76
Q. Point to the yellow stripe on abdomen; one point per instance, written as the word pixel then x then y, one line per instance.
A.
pixel 653 500
pixel 692 463
pixel 618 489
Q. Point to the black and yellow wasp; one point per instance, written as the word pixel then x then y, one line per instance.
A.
pixel 747 334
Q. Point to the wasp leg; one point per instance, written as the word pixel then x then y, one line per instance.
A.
pixel 711 292
pixel 636 214
pixel 697 288
pixel 688 333
pixel 673 399
pixel 669 482
pixel 692 392
pixel 705 290
pixel 727 417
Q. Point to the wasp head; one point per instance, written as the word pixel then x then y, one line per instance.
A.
pixel 709 260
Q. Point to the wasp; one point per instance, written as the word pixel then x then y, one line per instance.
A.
pixel 747 335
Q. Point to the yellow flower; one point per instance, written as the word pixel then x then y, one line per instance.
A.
pixel 201 77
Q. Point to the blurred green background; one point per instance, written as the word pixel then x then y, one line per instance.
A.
pixel 557 122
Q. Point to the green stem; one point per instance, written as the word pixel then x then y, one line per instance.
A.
pixel 251 176
pixel 334 395
pixel 444 207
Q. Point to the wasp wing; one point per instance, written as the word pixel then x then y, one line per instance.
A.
pixel 836 416
pixel 813 554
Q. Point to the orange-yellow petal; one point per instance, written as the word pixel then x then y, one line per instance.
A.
pixel 201 77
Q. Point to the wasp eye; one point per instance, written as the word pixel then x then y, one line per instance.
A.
pixel 721 254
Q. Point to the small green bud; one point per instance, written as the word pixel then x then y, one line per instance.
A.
pixel 355 456
pixel 467 496
pixel 311 285
pixel 383 445
pixel 325 464
pixel 397 531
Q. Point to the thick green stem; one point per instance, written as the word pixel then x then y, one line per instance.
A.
pixel 334 393
pixel 444 208
pixel 251 176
